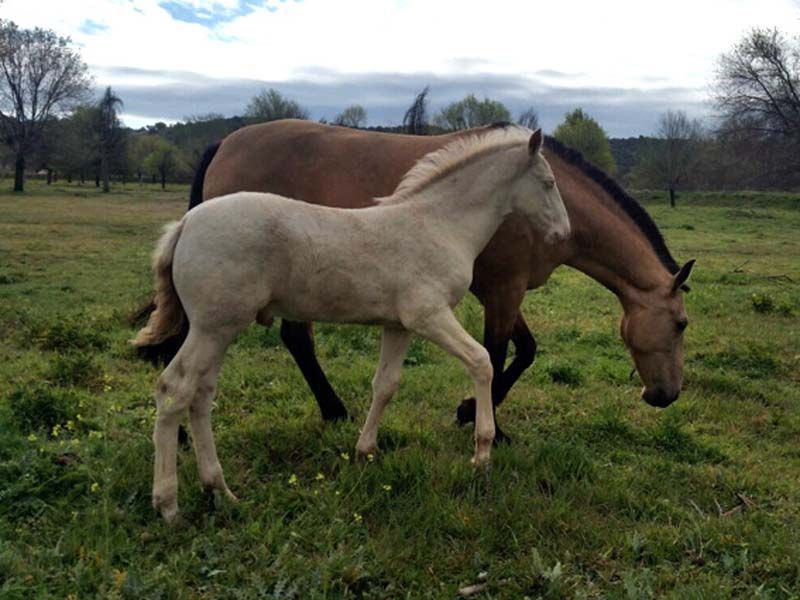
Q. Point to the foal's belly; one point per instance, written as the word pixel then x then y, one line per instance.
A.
pixel 335 297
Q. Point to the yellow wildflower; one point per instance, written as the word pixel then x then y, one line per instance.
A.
pixel 292 479
pixel 95 487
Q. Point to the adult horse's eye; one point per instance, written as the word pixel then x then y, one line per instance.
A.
pixel 681 325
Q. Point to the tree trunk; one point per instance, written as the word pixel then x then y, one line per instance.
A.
pixel 69 177
pixel 49 176
pixel 672 197
pixel 163 179
pixel 97 180
pixel 83 178
pixel 104 173
pixel 19 174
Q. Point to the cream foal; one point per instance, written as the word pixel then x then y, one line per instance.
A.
pixel 404 265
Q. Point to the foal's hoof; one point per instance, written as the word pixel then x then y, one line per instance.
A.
pixel 169 513
pixel 465 413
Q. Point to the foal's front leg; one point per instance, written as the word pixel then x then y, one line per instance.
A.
pixel 394 345
pixel 444 330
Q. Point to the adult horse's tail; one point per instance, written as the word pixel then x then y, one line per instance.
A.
pixel 163 351
pixel 168 319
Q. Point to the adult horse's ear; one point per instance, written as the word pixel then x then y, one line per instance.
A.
pixel 536 141
pixel 679 279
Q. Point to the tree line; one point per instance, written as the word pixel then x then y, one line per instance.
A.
pixel 48 123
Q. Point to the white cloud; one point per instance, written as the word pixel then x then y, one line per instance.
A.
pixel 570 43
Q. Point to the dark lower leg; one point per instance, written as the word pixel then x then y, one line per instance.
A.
pixel 525 353
pixel 297 338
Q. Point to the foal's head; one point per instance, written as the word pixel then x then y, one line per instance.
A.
pixel 652 329
pixel 535 194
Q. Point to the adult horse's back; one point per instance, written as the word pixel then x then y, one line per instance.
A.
pixel 349 167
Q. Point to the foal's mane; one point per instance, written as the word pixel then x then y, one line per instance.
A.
pixel 462 151
pixel 625 201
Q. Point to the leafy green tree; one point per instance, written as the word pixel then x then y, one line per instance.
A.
pixel 471 112
pixel 41 76
pixel 271 105
pixel 671 158
pixel 583 133
pixel 354 116
pixel 164 159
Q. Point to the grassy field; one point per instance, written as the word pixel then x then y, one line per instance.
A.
pixel 600 496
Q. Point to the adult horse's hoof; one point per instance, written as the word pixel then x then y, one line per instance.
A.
pixel 342 417
pixel 465 413
pixel 500 437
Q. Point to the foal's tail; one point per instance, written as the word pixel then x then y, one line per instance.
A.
pixel 168 320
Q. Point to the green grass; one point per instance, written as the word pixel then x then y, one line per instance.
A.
pixel 600 496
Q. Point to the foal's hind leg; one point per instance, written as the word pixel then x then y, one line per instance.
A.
pixel 444 330
pixel 189 383
pixel 394 346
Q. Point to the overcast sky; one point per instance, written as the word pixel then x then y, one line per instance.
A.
pixel 623 61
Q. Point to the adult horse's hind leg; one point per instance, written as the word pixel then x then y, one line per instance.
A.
pixel 299 340
pixel 394 346
pixel 189 382
pixel 444 330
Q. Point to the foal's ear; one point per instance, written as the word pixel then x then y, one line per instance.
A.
pixel 535 143
pixel 679 280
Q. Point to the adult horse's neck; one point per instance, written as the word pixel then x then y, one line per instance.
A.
pixel 607 243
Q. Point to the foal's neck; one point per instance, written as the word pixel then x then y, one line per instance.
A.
pixel 469 204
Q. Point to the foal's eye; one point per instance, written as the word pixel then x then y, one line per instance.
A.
pixel 681 325
pixel 549 183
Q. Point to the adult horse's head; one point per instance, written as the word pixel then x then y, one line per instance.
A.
pixel 652 329
pixel 536 194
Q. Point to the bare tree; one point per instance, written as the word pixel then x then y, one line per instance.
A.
pixel 759 82
pixel 415 120
pixel 529 118
pixel 758 92
pixel 109 131
pixel 353 116
pixel 271 105
pixel 673 156
pixel 40 77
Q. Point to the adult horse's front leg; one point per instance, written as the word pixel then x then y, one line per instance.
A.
pixel 299 340
pixel 502 322
pixel 444 330
pixel 394 346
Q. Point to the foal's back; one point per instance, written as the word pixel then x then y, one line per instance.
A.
pixel 279 257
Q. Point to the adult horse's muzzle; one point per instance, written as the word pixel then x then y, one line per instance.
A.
pixel 658 397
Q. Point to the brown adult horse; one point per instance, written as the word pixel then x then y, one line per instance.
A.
pixel 614 241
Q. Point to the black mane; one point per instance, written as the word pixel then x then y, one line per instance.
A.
pixel 624 200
